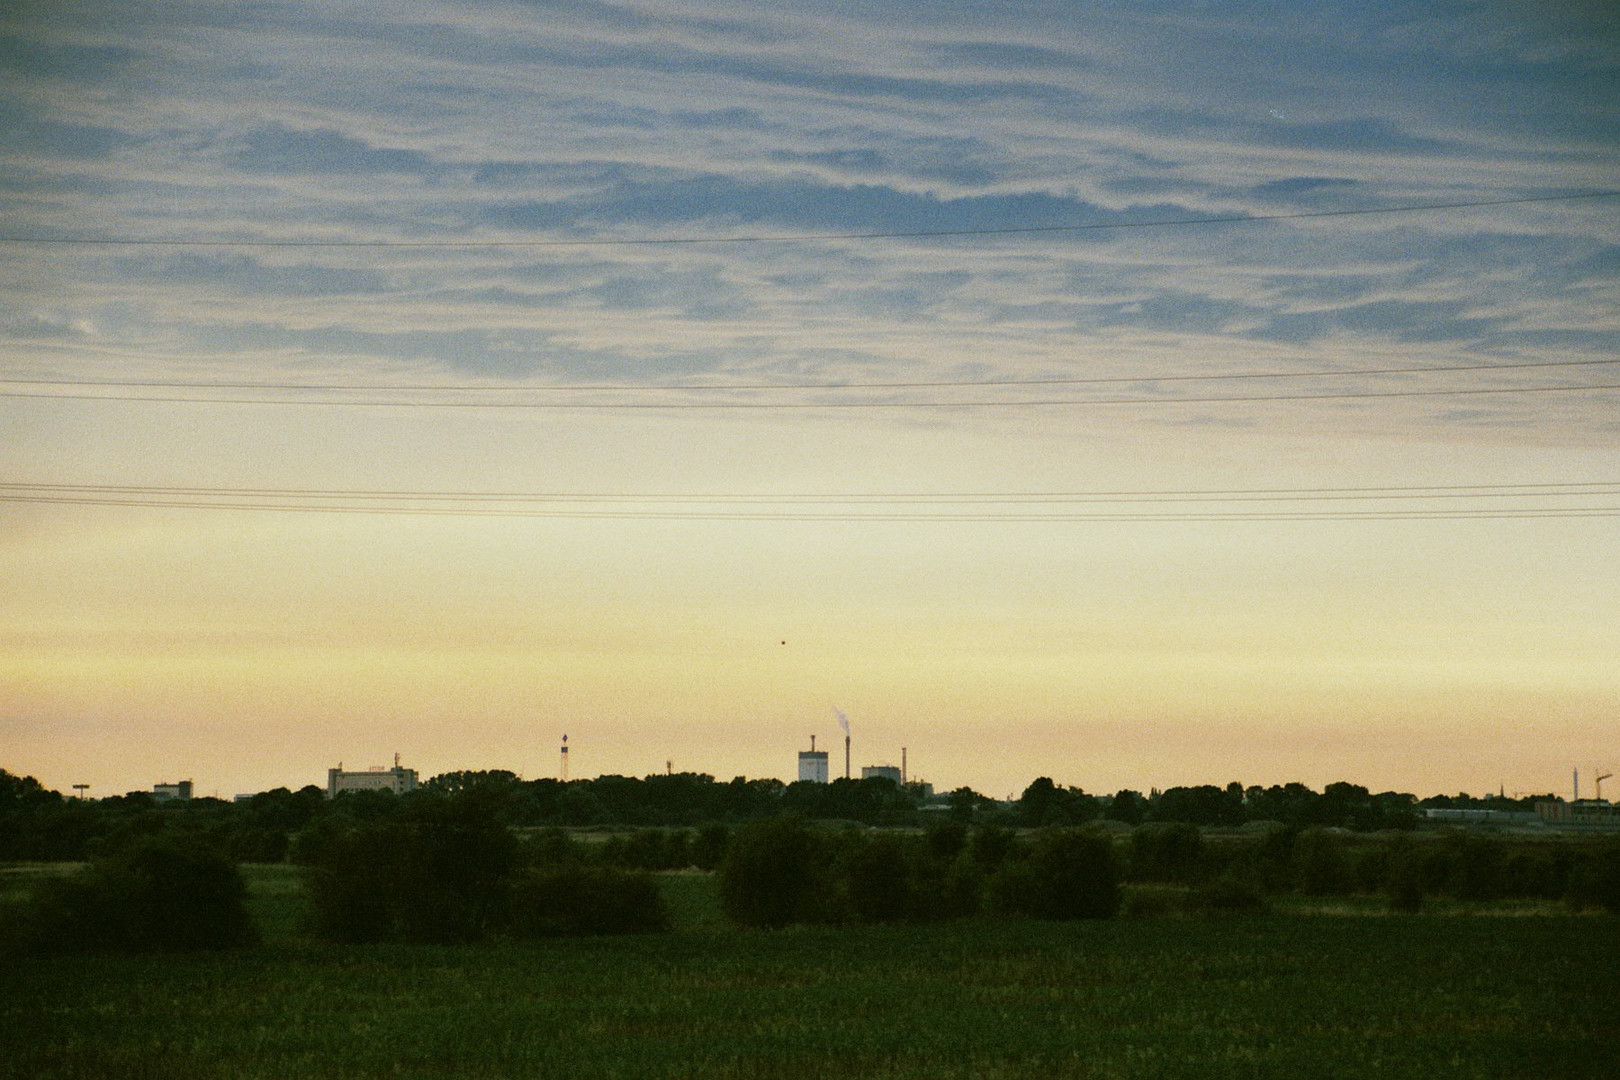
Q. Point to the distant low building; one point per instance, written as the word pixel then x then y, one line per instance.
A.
pixel 886 772
pixel 1476 816
pixel 1581 813
pixel 179 792
pixel 397 780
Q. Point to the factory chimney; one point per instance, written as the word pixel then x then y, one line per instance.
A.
pixel 843 722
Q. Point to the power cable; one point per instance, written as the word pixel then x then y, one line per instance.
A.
pixel 1221 505
pixel 812 405
pixel 797 238
pixel 732 387
pixel 1405 491
pixel 649 515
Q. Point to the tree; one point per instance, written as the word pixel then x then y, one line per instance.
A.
pixel 437 874
pixel 1171 852
pixel 774 873
pixel 1320 866
pixel 963 802
pixel 1066 874
pixel 1040 803
pixel 1205 804
pixel 1045 803
pixel 1127 806
pixel 155 895
pixel 876 879
pixel 989 845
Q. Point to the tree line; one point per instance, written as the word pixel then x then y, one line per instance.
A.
pixel 448 865
pixel 39 824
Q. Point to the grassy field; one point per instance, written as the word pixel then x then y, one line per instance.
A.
pixel 1285 995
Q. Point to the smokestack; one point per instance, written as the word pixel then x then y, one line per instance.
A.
pixel 902 766
pixel 843 722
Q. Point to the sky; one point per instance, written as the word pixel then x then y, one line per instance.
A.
pixel 1135 394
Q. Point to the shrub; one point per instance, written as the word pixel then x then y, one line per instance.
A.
pixel 876 879
pixel 155 895
pixel 439 876
pixel 656 849
pixel 946 840
pixel 551 847
pixel 1168 852
pixel 1403 878
pixel 574 899
pixel 989 845
pixel 1274 858
pixel 1066 874
pixel 1480 865
pixel 709 846
pixel 1320 864
pixel 774 873
pixel 1536 874
pixel 1152 902
pixel 1595 880
pixel 1228 896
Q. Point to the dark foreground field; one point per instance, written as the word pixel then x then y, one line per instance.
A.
pixel 1281 995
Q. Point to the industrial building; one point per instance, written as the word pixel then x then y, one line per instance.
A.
pixel 1580 813
pixel 397 780
pixel 886 772
pixel 179 792
pixel 813 764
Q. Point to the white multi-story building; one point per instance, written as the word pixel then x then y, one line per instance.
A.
pixel 813 765
pixel 398 780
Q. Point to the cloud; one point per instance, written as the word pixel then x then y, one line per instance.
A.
pixel 642 122
pixel 277 149
pixel 64 62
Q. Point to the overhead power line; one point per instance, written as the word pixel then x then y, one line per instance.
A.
pixel 797 238
pixel 1401 502
pixel 1392 491
pixel 908 516
pixel 814 405
pixel 692 388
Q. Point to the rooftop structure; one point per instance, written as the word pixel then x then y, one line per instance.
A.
pixel 887 772
pixel 813 764
pixel 397 780
pixel 177 792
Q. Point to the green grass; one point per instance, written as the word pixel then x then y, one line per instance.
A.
pixel 1285 995
pixel 17 880
pixel 694 901
pixel 276 899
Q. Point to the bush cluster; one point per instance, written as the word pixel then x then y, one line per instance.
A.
pixel 1403 867
pixel 574 899
pixel 152 895
pixel 780 872
pixel 451 872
